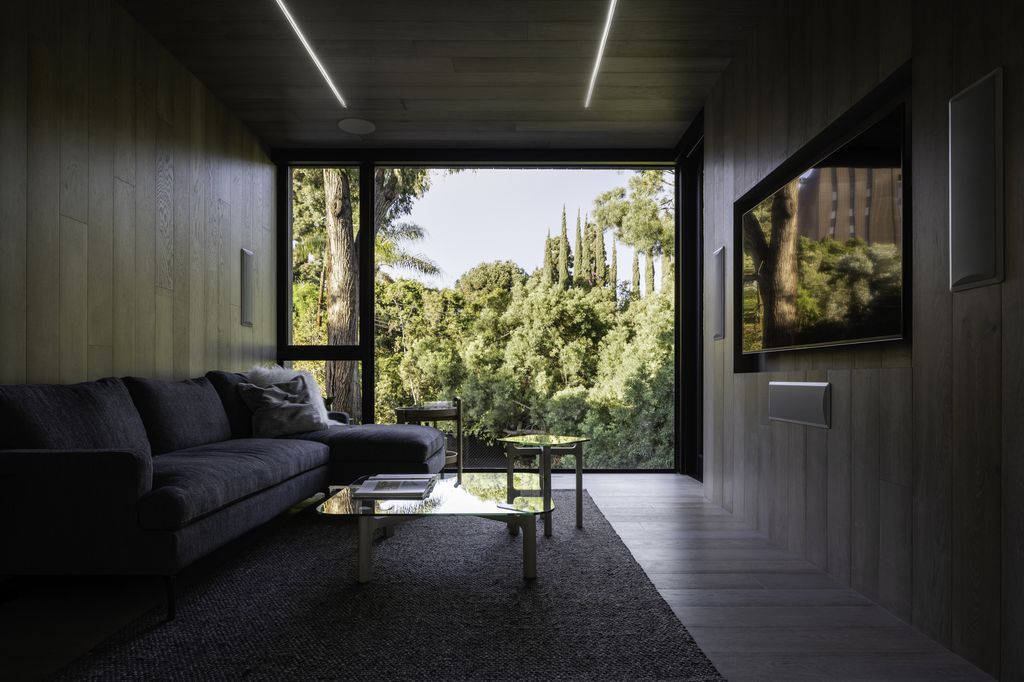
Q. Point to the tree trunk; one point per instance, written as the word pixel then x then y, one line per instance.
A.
pixel 342 378
pixel 780 306
pixel 648 273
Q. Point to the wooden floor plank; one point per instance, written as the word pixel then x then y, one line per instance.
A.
pixel 758 610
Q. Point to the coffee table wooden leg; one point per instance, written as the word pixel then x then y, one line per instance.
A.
pixel 365 548
pixel 529 526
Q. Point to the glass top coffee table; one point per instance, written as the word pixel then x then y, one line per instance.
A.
pixel 545 445
pixel 483 495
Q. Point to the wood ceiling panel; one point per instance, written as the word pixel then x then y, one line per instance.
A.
pixel 489 73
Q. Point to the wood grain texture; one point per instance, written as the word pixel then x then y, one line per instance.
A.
pixel 13 189
pixel 42 277
pixel 73 301
pixel 932 458
pixel 1012 517
pixel 96 216
pixel 461 74
pixel 924 446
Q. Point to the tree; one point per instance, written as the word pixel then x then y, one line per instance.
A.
pixel 649 273
pixel 564 256
pixel 584 265
pixel 642 215
pixel 775 262
pixel 600 262
pixel 613 271
pixel 578 271
pixel 395 190
pixel 636 274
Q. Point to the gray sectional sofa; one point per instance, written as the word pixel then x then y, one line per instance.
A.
pixel 138 476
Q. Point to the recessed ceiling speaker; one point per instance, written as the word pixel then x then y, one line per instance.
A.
pixel 976 184
pixel 718 288
pixel 356 126
pixel 245 305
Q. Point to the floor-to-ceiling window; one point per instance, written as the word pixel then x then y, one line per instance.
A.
pixel 543 297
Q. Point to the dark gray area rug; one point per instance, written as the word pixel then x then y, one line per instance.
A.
pixel 448 602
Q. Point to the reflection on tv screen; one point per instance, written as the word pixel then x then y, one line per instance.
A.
pixel 823 255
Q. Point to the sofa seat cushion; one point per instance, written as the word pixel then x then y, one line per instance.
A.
pixel 179 414
pixel 379 442
pixel 95 415
pixel 189 484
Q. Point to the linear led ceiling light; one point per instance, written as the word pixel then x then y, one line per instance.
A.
pixel 305 44
pixel 600 53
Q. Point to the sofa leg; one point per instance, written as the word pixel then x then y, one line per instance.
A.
pixel 171 597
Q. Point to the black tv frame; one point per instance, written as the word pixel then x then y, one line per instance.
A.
pixel 891 94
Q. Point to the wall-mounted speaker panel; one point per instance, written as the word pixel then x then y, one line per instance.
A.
pixel 248 258
pixel 976 184
pixel 801 402
pixel 718 293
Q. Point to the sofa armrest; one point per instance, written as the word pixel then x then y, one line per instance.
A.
pixel 342 417
pixel 73 507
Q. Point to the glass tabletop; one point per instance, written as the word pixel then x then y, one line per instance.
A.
pixel 480 493
pixel 543 440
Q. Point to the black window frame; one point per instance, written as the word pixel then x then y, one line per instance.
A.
pixel 367 160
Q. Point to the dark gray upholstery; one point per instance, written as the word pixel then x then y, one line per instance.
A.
pixel 179 414
pixel 380 449
pixel 71 511
pixel 92 415
pixel 169 551
pixel 239 414
pixel 189 484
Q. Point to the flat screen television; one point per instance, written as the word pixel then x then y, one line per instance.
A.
pixel 822 260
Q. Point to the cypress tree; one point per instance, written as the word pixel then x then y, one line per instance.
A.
pixel 563 256
pixel 586 260
pixel 667 272
pixel 613 271
pixel 600 262
pixel 578 269
pixel 635 290
pixel 649 273
pixel 548 271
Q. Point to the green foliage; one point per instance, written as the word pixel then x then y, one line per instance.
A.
pixel 841 285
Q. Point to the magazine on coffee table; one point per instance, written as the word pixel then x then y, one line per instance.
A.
pixel 396 487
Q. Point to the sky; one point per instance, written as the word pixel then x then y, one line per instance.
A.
pixel 478 216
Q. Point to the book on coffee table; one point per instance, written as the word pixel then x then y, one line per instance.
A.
pixel 396 487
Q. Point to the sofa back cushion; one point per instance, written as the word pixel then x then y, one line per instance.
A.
pixel 94 415
pixel 239 414
pixel 179 414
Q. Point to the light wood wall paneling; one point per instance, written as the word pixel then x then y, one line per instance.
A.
pixel 43 211
pixel 180 170
pixel 74 109
pixel 104 183
pixel 197 228
pixel 13 189
pixel 101 191
pixel 73 302
pixel 932 463
pixel 145 204
pixel 124 279
pixel 1012 657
